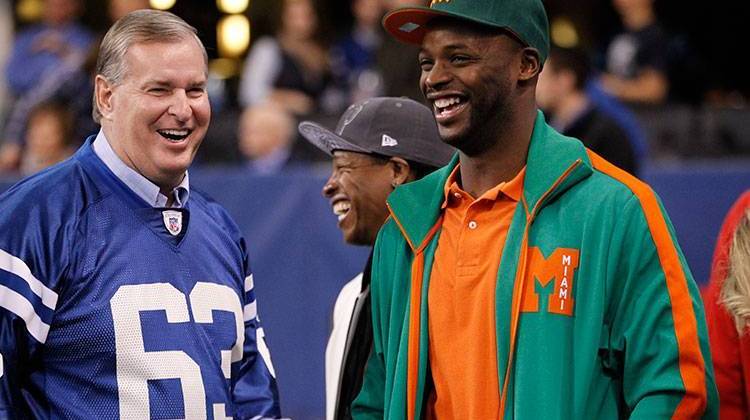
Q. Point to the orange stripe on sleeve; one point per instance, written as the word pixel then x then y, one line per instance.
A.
pixel 692 366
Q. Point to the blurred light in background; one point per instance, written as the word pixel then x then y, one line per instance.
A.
pixel 29 10
pixel 162 4
pixel 564 33
pixel 232 6
pixel 223 68
pixel 233 35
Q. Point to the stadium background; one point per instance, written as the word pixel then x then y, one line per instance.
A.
pixel 297 254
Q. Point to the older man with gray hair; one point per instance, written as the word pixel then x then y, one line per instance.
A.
pixel 124 293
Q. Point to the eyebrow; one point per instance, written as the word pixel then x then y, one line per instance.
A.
pixel 165 83
pixel 156 82
pixel 447 48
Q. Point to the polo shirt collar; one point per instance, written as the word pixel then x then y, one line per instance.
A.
pixel 512 189
pixel 139 184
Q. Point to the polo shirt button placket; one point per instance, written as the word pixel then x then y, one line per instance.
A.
pixel 472 225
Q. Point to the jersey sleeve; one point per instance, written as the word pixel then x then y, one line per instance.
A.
pixel 33 260
pixel 255 392
pixel 658 327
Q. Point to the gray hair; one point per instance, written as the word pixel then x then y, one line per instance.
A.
pixel 140 26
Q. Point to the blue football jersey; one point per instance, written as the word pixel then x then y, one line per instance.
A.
pixel 110 308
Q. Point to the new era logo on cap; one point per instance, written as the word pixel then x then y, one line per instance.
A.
pixel 388 141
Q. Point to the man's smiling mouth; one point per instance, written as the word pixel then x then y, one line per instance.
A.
pixel 175 135
pixel 341 209
pixel 447 106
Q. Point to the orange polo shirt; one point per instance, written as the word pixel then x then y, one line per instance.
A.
pixel 461 300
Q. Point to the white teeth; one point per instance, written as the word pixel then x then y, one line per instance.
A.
pixel 176 132
pixel 341 208
pixel 446 102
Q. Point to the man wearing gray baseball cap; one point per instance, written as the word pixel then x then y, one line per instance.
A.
pixel 378 144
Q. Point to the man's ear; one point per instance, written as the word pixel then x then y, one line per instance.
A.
pixel 530 64
pixel 400 171
pixel 103 95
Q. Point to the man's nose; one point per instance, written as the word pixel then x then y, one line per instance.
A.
pixel 330 187
pixel 180 105
pixel 437 75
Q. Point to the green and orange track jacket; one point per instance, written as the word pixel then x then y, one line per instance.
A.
pixel 597 314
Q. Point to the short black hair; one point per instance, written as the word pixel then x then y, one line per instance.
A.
pixel 575 60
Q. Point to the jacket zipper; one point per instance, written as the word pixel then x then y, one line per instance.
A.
pixel 519 289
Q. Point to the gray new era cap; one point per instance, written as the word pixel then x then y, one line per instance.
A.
pixel 397 127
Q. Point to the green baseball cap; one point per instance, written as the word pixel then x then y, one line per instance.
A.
pixel 526 19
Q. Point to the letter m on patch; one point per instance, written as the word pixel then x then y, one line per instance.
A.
pixel 559 268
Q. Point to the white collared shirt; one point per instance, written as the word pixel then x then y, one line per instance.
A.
pixel 139 184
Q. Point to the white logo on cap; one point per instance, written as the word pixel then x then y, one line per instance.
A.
pixel 388 141
pixel 349 116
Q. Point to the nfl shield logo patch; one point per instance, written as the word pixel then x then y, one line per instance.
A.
pixel 172 221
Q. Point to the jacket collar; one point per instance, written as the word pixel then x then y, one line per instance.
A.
pixel 416 205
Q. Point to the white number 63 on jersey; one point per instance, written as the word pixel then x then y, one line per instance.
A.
pixel 135 366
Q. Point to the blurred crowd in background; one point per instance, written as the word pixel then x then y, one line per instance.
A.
pixel 641 82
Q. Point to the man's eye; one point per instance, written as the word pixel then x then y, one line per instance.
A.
pixel 343 170
pixel 425 64
pixel 157 91
pixel 459 59
pixel 196 92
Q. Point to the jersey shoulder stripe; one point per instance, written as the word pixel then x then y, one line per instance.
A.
pixel 25 296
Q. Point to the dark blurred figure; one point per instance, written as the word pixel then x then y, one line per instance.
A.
pixel 6 41
pixel 44 47
pixel 47 62
pixel 266 139
pixel 636 62
pixel 292 68
pixel 120 8
pixel 71 83
pixel 48 139
pixel 354 56
pixel 561 93
pixel 398 63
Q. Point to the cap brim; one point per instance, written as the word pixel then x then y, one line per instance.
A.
pixel 325 139
pixel 408 24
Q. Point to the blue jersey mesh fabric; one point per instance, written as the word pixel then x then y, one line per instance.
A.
pixel 104 313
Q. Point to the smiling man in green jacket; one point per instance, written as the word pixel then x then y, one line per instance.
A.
pixel 530 278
